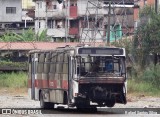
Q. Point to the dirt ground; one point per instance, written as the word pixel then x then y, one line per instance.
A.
pixel 18 98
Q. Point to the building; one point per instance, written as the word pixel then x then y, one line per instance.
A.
pixel 27 4
pixel 28 13
pixel 13 18
pixel 10 14
pixel 66 21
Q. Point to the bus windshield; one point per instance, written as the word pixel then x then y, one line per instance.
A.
pixel 100 66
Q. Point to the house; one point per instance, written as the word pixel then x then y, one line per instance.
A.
pixel 28 14
pixel 73 20
pixel 10 15
pixel 13 17
pixel 15 54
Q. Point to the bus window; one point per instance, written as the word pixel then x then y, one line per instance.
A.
pixel 109 66
pixel 96 66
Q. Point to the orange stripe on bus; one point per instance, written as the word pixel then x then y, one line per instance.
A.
pixel 44 83
pixel 52 83
pixel 39 83
pixel 64 84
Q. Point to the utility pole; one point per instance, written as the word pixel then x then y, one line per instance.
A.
pixel 156 6
pixel 46 18
pixel 156 54
pixel 67 6
pixel 108 27
pixel 66 32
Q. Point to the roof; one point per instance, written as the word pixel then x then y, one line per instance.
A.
pixel 120 1
pixel 38 45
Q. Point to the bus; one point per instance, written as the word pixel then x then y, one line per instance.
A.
pixel 81 76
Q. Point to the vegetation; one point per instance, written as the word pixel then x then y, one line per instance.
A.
pixel 142 88
pixel 27 35
pixel 145 76
pixel 147 37
pixel 13 80
pixel 126 43
pixel 13 64
pixel 146 81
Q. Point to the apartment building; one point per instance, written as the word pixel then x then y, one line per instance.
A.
pixel 66 21
pixel 10 14
pixel 28 13
pixel 13 17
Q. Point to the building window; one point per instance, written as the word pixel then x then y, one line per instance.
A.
pixel 54 6
pixel 39 5
pixel 51 24
pixel 10 10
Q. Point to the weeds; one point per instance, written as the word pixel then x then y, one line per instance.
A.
pixel 146 82
pixel 13 80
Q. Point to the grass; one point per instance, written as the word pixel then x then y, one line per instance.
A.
pixel 13 80
pixel 13 64
pixel 142 88
pixel 18 81
pixel 145 81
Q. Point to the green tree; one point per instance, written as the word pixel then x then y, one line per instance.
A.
pixel 42 36
pixel 125 43
pixel 8 37
pixel 26 36
pixel 147 37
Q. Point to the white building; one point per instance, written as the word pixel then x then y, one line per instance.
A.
pixel 10 13
pixel 67 19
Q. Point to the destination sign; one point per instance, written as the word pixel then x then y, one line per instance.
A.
pixel 104 51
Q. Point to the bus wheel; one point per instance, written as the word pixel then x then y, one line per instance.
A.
pixel 45 105
pixel 110 103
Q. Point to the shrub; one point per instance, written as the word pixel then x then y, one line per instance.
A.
pixel 13 80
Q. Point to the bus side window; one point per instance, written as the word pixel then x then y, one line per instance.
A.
pixel 81 70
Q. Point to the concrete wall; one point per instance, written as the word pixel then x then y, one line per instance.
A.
pixel 82 5
pixel 41 9
pixel 10 17
pixel 27 4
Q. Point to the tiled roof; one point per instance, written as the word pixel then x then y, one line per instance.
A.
pixel 37 45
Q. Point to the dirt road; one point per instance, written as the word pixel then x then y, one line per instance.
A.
pixel 19 99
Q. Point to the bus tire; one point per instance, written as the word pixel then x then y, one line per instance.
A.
pixel 111 102
pixel 45 105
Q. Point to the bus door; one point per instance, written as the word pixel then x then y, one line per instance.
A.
pixel 70 78
pixel 33 75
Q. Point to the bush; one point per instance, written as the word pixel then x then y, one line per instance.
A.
pixel 13 80
pixel 152 75
pixel 145 81
pixel 140 87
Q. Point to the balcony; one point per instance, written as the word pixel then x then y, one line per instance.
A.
pixel 54 13
pixel 73 12
pixel 73 31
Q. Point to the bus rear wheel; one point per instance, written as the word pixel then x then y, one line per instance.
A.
pixel 110 103
pixel 45 105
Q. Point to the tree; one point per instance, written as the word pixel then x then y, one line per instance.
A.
pixel 26 36
pixel 8 37
pixel 147 37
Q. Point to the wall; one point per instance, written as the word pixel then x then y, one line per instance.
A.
pixel 10 17
pixel 26 4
